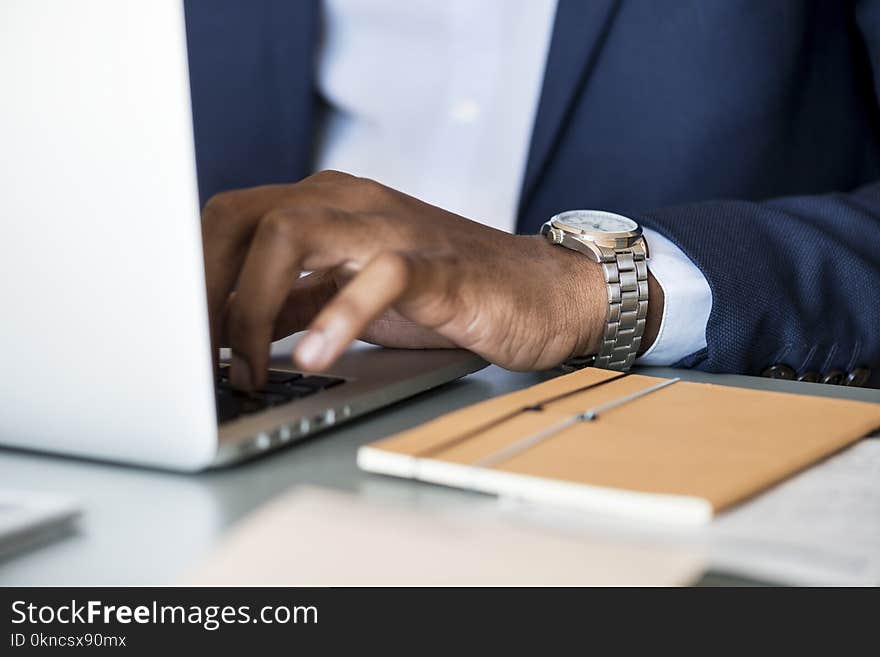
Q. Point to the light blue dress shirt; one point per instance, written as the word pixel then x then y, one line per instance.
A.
pixel 438 99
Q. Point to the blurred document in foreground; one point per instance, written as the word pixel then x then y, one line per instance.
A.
pixel 312 536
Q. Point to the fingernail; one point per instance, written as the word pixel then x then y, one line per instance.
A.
pixel 310 350
pixel 240 373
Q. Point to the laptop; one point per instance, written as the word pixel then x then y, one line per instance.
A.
pixel 105 345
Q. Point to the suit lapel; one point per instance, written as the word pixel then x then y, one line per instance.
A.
pixel 579 32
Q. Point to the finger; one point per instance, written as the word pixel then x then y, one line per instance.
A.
pixel 229 221
pixel 381 282
pixel 269 271
pixel 305 300
pixel 391 329
pixel 285 242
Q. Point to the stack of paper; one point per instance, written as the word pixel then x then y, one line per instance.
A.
pixel 820 527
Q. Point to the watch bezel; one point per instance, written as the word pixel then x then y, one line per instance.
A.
pixel 615 240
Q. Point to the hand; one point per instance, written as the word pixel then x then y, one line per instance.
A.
pixel 389 269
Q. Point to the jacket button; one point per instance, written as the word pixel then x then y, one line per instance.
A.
pixel 809 377
pixel 834 377
pixel 779 371
pixel 858 377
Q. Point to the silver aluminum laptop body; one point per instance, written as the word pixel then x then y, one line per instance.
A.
pixel 104 330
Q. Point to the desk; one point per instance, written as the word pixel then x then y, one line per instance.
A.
pixel 143 527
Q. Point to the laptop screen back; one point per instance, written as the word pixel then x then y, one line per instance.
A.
pixel 104 331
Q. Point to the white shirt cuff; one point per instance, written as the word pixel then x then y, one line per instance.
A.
pixel 687 303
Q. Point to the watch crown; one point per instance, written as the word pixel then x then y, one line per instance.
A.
pixel 555 235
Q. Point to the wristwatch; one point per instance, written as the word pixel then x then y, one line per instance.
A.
pixel 616 243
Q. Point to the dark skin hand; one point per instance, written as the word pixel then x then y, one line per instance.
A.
pixel 392 270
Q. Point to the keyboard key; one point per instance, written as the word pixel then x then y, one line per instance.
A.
pixel 227 408
pixel 287 390
pixel 252 404
pixel 273 399
pixel 232 403
pixel 277 376
pixel 282 387
pixel 297 391
pixel 320 382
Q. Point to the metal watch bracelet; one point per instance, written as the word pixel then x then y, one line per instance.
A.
pixel 626 276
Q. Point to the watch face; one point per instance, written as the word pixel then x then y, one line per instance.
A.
pixel 596 222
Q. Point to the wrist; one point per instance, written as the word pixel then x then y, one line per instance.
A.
pixel 578 296
pixel 654 318
pixel 584 306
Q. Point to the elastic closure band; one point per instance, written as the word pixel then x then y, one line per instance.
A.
pixel 588 415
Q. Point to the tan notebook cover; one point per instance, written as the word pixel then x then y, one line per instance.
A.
pixel 681 453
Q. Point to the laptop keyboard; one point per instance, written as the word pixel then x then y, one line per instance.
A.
pixel 281 387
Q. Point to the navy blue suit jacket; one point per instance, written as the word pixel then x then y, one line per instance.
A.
pixel 746 131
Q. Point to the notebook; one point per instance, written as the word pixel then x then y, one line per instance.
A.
pixel 626 444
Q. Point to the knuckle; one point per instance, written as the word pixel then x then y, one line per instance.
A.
pixel 331 175
pixel 218 206
pixel 369 188
pixel 334 215
pixel 277 225
pixel 220 217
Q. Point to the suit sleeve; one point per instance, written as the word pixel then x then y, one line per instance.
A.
pixel 795 280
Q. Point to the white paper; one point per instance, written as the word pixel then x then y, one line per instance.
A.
pixel 820 527
pixel 314 536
